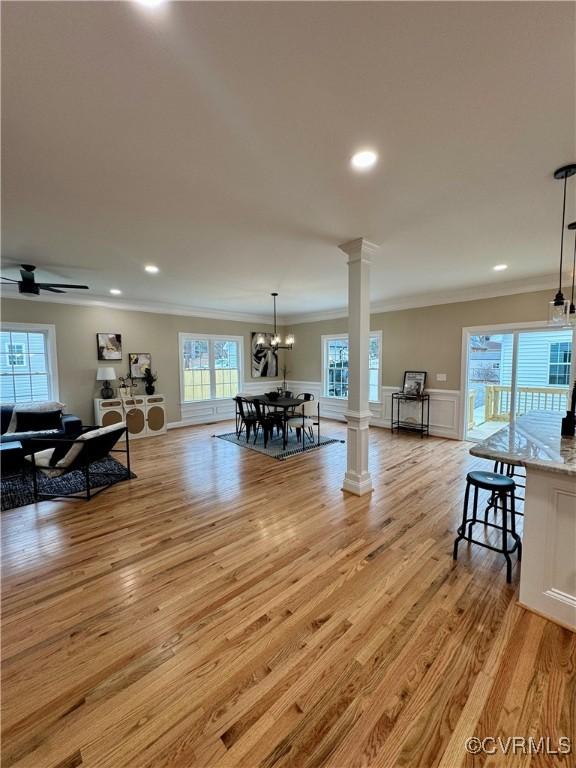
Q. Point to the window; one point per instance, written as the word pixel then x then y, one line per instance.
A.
pixel 559 365
pixel 374 369
pixel 210 366
pixel 28 371
pixel 335 366
pixel 336 371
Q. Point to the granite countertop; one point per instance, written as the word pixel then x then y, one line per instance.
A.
pixel 533 440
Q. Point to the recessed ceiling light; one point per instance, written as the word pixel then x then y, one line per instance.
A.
pixel 115 291
pixel 152 269
pixel 150 3
pixel 364 160
pixel 500 267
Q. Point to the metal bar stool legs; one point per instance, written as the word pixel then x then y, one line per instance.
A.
pixel 502 498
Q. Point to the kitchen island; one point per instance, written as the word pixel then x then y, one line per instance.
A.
pixel 548 569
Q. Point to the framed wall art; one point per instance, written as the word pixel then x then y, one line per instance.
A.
pixel 109 346
pixel 138 362
pixel 264 358
pixel 414 383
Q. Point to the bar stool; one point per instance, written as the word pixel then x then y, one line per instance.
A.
pixel 508 469
pixel 502 488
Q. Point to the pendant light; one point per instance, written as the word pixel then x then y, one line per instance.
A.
pixel 572 311
pixel 276 342
pixel 558 308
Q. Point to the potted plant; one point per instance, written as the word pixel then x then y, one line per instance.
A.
pixel 149 379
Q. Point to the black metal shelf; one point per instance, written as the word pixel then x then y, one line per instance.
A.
pixel 423 426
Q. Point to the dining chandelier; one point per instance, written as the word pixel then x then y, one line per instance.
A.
pixel 558 308
pixel 276 341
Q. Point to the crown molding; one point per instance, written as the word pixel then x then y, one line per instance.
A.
pixel 154 307
pixel 456 296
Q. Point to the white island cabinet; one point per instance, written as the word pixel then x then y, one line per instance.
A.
pixel 548 568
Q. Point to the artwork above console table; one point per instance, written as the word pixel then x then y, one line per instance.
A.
pixel 145 415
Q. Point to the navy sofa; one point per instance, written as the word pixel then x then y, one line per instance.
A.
pixel 68 426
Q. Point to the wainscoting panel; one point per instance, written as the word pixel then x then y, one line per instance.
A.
pixel 208 411
pixel 444 407
pixel 444 411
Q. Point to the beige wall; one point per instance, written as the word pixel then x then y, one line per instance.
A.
pixel 76 329
pixel 428 338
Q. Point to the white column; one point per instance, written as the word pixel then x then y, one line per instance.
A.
pixel 357 479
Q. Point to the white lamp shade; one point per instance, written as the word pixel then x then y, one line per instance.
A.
pixel 106 374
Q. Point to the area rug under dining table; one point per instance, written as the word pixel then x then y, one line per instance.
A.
pixel 275 448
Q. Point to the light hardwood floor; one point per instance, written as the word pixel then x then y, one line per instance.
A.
pixel 226 609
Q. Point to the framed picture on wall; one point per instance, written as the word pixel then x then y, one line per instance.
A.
pixel 109 346
pixel 414 383
pixel 264 359
pixel 138 362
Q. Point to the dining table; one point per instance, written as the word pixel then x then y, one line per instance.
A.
pixel 286 404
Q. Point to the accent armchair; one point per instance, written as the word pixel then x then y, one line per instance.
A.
pixel 94 444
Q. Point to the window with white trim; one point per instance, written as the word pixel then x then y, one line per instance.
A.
pixel 335 366
pixel 559 363
pixel 210 367
pixel 27 363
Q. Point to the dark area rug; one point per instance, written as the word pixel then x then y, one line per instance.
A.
pixel 275 449
pixel 18 491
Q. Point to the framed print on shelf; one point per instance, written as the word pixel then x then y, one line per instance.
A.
pixel 264 359
pixel 109 346
pixel 138 362
pixel 414 383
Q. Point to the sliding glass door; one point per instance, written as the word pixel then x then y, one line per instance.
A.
pixel 515 372
pixel 489 383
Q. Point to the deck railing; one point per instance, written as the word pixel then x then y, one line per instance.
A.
pixel 471 406
pixel 498 398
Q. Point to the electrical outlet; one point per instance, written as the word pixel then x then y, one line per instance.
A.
pixel 441 377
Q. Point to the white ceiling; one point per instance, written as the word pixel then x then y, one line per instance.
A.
pixel 213 140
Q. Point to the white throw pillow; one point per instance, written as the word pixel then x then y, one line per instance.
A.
pixel 75 449
pixel 48 405
pixel 42 462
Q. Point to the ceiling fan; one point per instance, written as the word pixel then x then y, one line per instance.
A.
pixel 29 285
